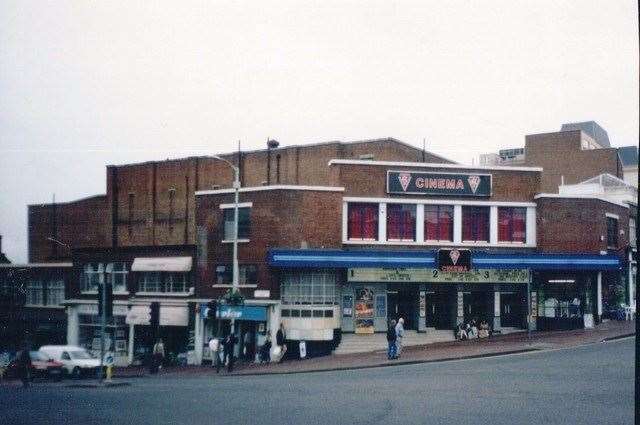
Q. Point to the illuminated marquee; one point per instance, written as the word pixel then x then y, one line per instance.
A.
pixel 438 183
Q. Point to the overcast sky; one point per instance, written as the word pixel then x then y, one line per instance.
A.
pixel 85 84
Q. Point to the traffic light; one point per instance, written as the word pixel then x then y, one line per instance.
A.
pixel 212 309
pixel 108 300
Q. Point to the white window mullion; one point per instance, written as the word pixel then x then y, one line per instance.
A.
pixel 345 221
pixel 493 225
pixel 382 221
pixel 457 224
pixel 420 223
pixel 531 226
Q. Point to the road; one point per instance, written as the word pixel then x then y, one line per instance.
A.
pixel 586 385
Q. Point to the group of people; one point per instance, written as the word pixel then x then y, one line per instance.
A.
pixel 222 349
pixel 395 333
pixel 472 330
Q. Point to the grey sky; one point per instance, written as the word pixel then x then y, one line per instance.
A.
pixel 85 84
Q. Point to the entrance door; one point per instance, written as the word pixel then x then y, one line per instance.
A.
pixel 403 303
pixel 511 310
pixel 439 307
pixel 476 306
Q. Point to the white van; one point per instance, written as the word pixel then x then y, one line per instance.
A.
pixel 76 361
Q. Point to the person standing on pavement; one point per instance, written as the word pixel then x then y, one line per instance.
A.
pixel 228 350
pixel 157 356
pixel 265 350
pixel 214 347
pixel 399 336
pixel 391 340
pixel 24 366
pixel 280 338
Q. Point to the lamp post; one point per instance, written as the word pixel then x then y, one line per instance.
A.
pixel 236 187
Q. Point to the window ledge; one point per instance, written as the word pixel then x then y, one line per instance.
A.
pixel 164 294
pixel 96 292
pixel 231 286
pixel 231 241
pixel 57 307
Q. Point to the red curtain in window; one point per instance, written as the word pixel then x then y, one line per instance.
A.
pixel 519 225
pixel 504 224
pixel 467 223
pixel 393 221
pixel 431 222
pixel 370 230
pixel 445 223
pixel 482 222
pixel 408 225
pixel 355 222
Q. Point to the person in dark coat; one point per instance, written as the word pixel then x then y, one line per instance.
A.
pixel 229 344
pixel 265 350
pixel 280 338
pixel 24 366
pixel 391 340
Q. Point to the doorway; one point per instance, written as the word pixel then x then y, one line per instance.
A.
pixel 511 306
pixel 439 307
pixel 476 306
pixel 403 303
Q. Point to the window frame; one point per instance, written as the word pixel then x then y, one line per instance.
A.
pixel 438 211
pixel 244 223
pixel 612 234
pixel 361 208
pixel 401 222
pixel 510 225
pixel 475 223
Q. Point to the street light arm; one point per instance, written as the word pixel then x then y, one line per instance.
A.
pixel 229 163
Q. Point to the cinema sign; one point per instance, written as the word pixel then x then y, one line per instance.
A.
pixel 420 183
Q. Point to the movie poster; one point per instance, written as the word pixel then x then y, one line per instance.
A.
pixel 364 311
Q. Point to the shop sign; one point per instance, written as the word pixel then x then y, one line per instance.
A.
pixel 454 260
pixel 415 275
pixel 425 183
pixel 364 311
pixel 174 316
pixel 247 312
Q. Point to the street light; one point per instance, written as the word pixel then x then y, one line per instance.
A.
pixel 236 187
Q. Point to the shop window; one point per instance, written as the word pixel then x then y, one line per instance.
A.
pixel 92 276
pixel 168 283
pixel 55 292
pixel 35 294
pixel 309 288
pixel 328 313
pixel 475 224
pixel 317 313
pixel 438 223
pixel 244 223
pixel 247 274
pixel 612 232
pixel 512 224
pixel 401 222
pixel 285 313
pixel 362 221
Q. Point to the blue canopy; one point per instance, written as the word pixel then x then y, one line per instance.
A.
pixel 335 258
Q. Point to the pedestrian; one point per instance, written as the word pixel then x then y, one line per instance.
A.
pixel 24 366
pixel 265 350
pixel 399 336
pixel 391 340
pixel 280 339
pixel 214 347
pixel 228 350
pixel 157 356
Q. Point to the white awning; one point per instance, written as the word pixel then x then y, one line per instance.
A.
pixel 162 264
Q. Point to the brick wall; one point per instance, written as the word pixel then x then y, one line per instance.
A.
pixel 279 219
pixel 560 154
pixel 577 225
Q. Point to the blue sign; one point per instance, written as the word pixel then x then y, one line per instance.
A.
pixel 251 313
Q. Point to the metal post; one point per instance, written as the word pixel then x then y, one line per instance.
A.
pixel 236 186
pixel 103 324
pixel 529 307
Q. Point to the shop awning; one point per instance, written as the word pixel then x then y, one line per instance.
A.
pixel 309 258
pixel 161 264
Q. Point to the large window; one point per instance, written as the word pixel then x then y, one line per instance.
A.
pixel 512 224
pixel 612 232
pixel 55 292
pixel 401 222
pixel 35 294
pixel 475 224
pixel 157 282
pixel 363 222
pixel 95 273
pixel 438 223
pixel 244 223
pixel 309 288
pixel 247 274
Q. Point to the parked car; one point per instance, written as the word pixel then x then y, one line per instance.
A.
pixel 42 366
pixel 76 361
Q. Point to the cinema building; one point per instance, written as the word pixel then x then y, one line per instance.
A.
pixel 437 244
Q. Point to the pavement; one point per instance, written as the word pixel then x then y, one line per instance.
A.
pixel 435 352
pixel 585 384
